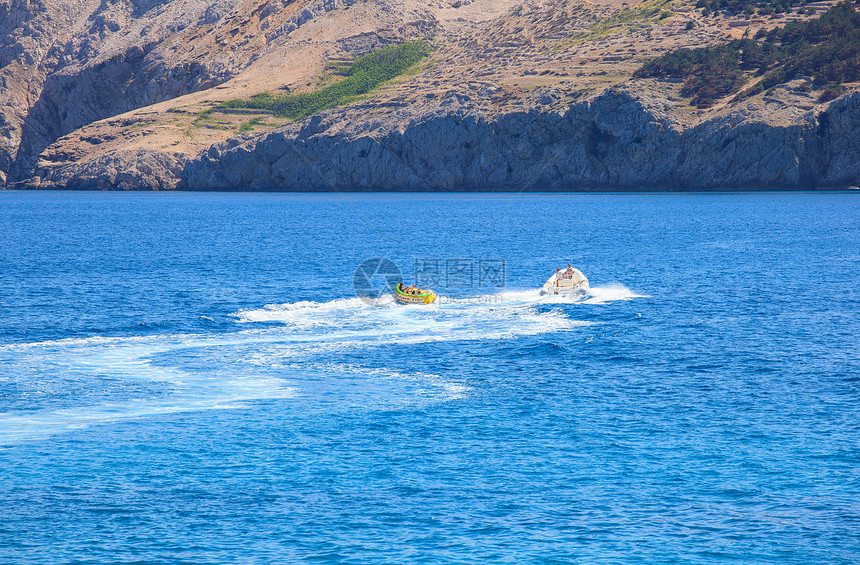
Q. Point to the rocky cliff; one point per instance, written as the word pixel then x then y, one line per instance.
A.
pixel 613 142
pixel 516 95
pixel 65 64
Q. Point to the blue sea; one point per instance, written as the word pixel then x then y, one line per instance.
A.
pixel 192 378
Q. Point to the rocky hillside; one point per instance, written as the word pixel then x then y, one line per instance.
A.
pixel 615 142
pixel 65 65
pixel 514 94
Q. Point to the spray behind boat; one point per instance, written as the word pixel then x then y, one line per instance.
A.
pixel 379 281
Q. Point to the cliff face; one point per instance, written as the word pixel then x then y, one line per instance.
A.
pixel 612 142
pixel 516 95
pixel 66 64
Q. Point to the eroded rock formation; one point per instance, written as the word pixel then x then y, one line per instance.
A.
pixel 613 142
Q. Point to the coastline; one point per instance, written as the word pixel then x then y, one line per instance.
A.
pixel 620 141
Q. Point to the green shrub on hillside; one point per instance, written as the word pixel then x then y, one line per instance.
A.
pixel 365 74
pixel 827 49
pixel 750 7
pixel 831 91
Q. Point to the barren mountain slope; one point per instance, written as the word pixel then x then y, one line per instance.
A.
pixel 66 65
pixel 490 61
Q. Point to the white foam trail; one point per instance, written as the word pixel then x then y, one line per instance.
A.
pixel 596 295
pixel 16 427
pixel 603 294
pixel 303 314
pixel 525 297
pixel 58 366
pixel 430 387
pixel 190 372
pixel 76 341
pixel 612 292
pixel 489 316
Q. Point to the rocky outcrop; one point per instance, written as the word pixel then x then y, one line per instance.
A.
pixel 29 30
pixel 310 12
pixel 129 80
pixel 123 170
pixel 838 139
pixel 615 141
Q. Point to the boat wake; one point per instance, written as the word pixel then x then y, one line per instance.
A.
pixel 309 350
pixel 610 293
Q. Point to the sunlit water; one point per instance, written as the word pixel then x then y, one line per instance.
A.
pixel 190 378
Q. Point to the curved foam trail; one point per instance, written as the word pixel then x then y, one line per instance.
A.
pixel 304 314
pixel 490 316
pixel 81 382
pixel 88 381
pixel 16 427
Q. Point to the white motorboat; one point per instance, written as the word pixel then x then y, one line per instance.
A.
pixel 569 281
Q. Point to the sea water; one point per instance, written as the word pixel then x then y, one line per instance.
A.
pixel 191 378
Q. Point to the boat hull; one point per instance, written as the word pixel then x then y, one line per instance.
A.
pixel 575 284
pixel 576 291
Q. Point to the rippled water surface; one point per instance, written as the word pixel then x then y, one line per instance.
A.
pixel 190 378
